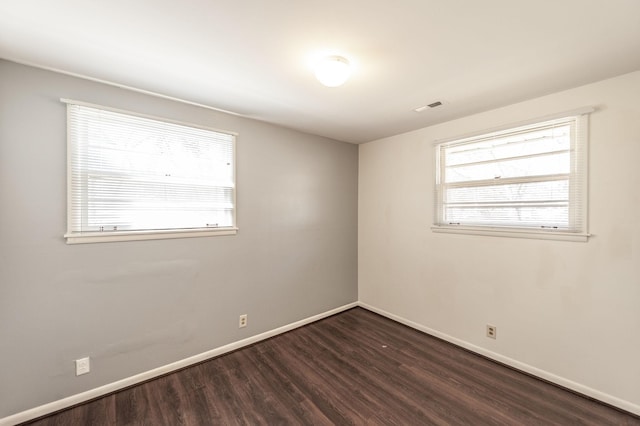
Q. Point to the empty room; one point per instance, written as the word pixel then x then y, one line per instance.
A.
pixel 220 212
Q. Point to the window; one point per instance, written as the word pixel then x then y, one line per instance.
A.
pixel 136 177
pixel 528 180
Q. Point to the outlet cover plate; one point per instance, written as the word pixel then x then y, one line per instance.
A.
pixel 83 366
pixel 492 331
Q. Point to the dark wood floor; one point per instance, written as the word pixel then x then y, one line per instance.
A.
pixel 353 368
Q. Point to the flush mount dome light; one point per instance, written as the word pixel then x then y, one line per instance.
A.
pixel 333 71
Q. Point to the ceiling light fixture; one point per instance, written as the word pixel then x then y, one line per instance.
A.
pixel 333 71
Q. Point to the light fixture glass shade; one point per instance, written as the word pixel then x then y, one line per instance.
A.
pixel 333 71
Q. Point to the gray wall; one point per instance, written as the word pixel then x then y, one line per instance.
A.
pixel 134 306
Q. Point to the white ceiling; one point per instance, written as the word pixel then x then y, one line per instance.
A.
pixel 253 57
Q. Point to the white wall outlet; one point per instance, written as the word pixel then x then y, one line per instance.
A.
pixel 83 366
pixel 492 331
pixel 243 321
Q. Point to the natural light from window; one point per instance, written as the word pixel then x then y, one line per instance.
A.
pixel 133 173
pixel 525 178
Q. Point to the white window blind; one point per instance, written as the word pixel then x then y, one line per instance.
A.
pixel 529 177
pixel 134 173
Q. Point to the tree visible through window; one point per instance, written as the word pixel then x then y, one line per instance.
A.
pixel 130 173
pixel 529 177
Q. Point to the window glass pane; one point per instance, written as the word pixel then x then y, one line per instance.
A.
pixel 551 164
pixel 144 205
pixel 552 139
pixel 552 216
pixel 555 190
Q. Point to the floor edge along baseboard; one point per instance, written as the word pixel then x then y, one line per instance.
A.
pixel 529 369
pixel 100 391
pixel 79 398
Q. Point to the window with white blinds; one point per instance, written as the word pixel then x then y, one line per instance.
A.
pixel 528 178
pixel 135 177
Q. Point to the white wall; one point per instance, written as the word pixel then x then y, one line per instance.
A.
pixel 567 310
pixel 134 306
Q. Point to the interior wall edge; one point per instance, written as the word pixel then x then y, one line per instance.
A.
pixel 109 388
pixel 537 372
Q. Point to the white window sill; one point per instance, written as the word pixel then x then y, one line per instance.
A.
pixel 114 236
pixel 512 233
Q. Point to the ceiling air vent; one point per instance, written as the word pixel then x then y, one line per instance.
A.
pixel 424 107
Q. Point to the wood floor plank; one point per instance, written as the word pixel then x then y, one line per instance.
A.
pixel 353 368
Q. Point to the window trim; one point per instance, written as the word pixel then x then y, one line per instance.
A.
pixel 511 232
pixel 151 234
pixel 514 232
pixel 115 236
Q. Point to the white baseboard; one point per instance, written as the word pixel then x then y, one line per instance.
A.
pixel 79 398
pixel 561 381
pixel 156 372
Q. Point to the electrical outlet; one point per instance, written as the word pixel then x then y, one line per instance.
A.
pixel 492 331
pixel 243 321
pixel 83 366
